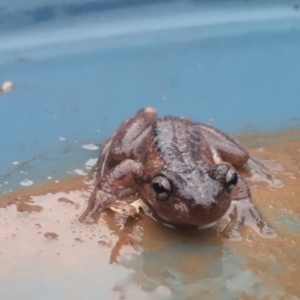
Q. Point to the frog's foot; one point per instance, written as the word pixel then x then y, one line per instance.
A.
pixel 244 212
pixel 260 170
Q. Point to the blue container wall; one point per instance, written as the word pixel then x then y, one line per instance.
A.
pixel 81 68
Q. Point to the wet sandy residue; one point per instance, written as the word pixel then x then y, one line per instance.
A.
pixel 43 242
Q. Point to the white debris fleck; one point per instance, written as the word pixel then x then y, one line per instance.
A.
pixel 90 146
pixel 56 181
pixel 6 182
pixel 21 172
pixel 80 172
pixel 15 162
pixel 26 182
pixel 49 177
pixel 90 163
pixel 6 86
pixel 61 138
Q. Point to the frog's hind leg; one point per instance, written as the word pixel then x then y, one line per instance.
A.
pixel 224 146
pixel 101 165
pixel 131 133
pixel 123 142
pixel 227 149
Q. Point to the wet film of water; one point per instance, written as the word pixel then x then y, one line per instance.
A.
pixel 46 251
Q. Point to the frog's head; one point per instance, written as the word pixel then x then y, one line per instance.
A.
pixel 198 197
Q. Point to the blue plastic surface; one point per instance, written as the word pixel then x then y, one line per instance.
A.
pixel 80 68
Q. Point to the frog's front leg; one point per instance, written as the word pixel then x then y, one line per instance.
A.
pixel 242 210
pixel 104 194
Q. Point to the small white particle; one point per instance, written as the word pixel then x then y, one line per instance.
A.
pixel 80 172
pixel 21 172
pixel 49 177
pixel 56 181
pixel 10 190
pixel 62 138
pixel 6 182
pixel 90 163
pixel 15 162
pixel 90 146
pixel 26 182
pixel 6 86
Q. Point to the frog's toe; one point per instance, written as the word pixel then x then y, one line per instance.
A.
pixel 125 209
pixel 277 182
pixel 267 231
pixel 232 231
pixel 88 220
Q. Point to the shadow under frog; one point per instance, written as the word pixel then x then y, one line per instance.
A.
pixel 162 256
pixel 183 171
pixel 184 262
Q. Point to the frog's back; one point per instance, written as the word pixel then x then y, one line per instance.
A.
pixel 169 143
pixel 179 143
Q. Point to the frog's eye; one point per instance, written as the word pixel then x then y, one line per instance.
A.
pixel 231 179
pixel 161 187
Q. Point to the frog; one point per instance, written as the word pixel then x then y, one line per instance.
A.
pixel 184 172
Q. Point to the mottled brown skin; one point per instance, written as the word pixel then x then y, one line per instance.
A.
pixel 194 158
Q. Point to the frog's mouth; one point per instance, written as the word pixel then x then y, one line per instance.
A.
pixel 152 214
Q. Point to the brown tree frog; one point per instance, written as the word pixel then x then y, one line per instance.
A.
pixel 184 172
